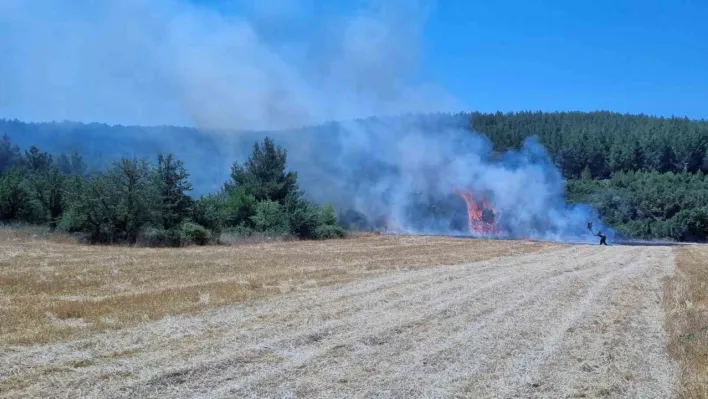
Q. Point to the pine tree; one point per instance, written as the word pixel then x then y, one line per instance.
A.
pixel 10 155
pixel 264 174
pixel 171 180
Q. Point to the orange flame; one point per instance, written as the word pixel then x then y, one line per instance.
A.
pixel 478 221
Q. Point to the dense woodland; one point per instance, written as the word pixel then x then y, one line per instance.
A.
pixel 645 176
pixel 136 201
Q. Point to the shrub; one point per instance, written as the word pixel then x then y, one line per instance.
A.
pixel 72 221
pixel 156 237
pixel 327 215
pixel 194 234
pixel 208 211
pixel 239 207
pixel 270 217
pixel 303 217
pixel 329 231
pixel 243 234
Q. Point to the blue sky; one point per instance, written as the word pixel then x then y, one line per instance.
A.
pixel 627 56
pixel 250 63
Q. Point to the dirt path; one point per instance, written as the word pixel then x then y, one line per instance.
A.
pixel 581 321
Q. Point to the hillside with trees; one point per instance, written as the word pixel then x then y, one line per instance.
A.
pixel 645 175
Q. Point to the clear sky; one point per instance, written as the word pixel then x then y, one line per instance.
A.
pixel 624 55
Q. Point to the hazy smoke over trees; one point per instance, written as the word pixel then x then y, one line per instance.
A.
pixel 244 65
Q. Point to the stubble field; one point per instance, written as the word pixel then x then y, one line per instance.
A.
pixel 374 316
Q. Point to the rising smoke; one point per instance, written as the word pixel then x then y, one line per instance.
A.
pixel 226 67
pixel 239 64
pixel 407 173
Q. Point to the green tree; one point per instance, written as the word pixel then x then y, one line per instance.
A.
pixel 36 160
pixel 171 181
pixel 14 196
pixel 10 155
pixel 138 203
pixel 48 190
pixel 93 208
pixel 264 174
pixel 328 227
pixel 270 217
pixel 241 205
pixel 303 216
pixel 689 225
pixel 71 164
pixel 115 205
pixel 210 211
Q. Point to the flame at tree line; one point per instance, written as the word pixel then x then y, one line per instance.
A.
pixel 482 216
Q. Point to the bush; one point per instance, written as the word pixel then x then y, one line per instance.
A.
pixel 239 207
pixel 327 215
pixel 186 234
pixel 243 234
pixel 194 234
pixel 689 225
pixel 330 231
pixel 210 211
pixel 328 227
pixel 270 217
pixel 72 221
pixel 156 237
pixel 303 217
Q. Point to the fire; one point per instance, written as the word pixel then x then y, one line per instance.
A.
pixel 482 216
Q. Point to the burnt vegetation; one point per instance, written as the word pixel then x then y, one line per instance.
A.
pixel 644 175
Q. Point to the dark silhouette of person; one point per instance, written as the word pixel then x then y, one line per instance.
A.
pixel 603 238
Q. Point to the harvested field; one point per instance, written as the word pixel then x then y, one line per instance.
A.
pixel 374 316
pixel 686 303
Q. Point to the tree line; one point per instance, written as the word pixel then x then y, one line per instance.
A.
pixel 646 176
pixel 136 201
pixel 603 143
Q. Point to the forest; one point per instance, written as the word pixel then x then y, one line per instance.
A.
pixel 137 201
pixel 644 175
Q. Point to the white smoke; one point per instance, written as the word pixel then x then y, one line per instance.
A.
pixel 230 64
pixel 257 65
pixel 406 170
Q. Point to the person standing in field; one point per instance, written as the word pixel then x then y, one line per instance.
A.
pixel 603 238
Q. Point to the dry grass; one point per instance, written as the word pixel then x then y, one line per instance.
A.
pixel 686 305
pixel 52 289
pixel 567 321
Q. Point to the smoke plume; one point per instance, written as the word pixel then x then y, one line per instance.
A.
pixel 228 68
pixel 407 173
pixel 245 64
